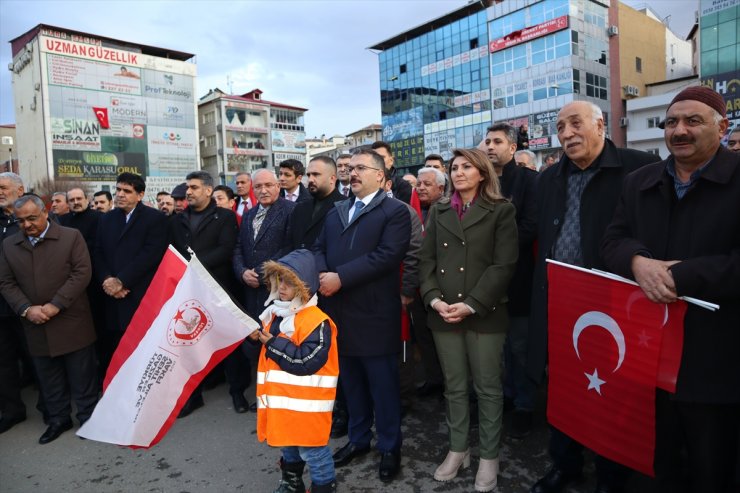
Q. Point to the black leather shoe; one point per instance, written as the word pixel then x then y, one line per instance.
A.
pixel 54 431
pixel 253 407
pixel 390 464
pixel 553 482
pixel 241 405
pixel 7 422
pixel 430 389
pixel 191 405
pixel 607 488
pixel 344 455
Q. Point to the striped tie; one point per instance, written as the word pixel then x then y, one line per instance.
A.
pixel 257 223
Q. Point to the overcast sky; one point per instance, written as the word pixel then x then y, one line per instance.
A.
pixel 300 52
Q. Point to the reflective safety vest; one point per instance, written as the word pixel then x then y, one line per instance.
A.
pixel 296 410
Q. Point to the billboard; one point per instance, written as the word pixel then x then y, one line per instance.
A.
pixel 543 132
pixel 529 33
pixel 288 141
pixel 728 85
pixel 146 114
pixel 408 152
pixel 440 143
pixel 404 124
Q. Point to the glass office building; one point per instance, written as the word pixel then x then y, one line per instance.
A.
pixel 435 86
pixel 545 54
pixel 719 42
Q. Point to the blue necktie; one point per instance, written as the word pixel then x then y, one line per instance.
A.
pixel 358 207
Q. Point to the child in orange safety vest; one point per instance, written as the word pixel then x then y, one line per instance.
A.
pixel 297 374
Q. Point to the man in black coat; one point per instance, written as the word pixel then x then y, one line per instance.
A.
pixel 81 217
pixel 210 232
pixel 308 217
pixel 291 174
pixel 518 185
pixel 576 199
pixel 12 341
pixel 130 243
pixel 358 254
pixel 676 232
pixel 401 189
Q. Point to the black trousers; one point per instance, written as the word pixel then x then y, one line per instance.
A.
pixel 11 351
pixel 72 374
pixel 696 446
pixel 567 454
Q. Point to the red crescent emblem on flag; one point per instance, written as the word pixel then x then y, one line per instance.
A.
pixel 189 324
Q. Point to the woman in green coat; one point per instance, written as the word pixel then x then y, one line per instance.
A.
pixel 467 259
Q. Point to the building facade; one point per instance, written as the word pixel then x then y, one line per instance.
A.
pixel 89 107
pixel 8 151
pixel 435 87
pixel 719 46
pixel 519 62
pixel 245 133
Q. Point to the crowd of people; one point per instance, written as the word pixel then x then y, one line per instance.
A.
pixel 332 268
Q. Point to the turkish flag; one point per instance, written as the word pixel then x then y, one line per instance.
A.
pixel 605 345
pixel 102 115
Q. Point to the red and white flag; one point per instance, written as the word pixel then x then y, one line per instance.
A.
pixel 605 343
pixel 185 325
pixel 102 115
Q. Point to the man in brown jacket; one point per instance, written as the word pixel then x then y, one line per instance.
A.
pixel 44 271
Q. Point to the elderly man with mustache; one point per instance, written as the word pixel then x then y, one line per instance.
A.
pixel 576 199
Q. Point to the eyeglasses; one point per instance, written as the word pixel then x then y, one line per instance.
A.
pixel 360 168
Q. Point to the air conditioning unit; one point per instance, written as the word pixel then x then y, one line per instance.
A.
pixel 612 31
pixel 624 121
pixel 631 90
pixel 202 138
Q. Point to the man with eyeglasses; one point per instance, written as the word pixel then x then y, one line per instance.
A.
pixel 358 254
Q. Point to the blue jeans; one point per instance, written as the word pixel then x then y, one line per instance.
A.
pixel 319 460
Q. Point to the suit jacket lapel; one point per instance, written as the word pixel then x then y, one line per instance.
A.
pixel 379 197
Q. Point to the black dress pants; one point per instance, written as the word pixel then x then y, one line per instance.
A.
pixel 69 375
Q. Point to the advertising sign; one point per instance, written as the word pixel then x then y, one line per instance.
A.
pixel 728 85
pixel 408 152
pixel 712 6
pixel 529 33
pixel 75 134
pixel 146 104
pixel 246 117
pixel 96 166
pixel 440 143
pixel 403 125
pixel 287 141
pixel 542 129
pixel 93 75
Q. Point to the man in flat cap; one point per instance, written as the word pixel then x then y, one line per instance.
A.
pixel 676 232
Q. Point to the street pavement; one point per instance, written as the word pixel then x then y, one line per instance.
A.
pixel 216 450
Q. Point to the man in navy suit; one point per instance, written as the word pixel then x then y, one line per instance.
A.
pixel 359 253
pixel 264 235
pixel 130 242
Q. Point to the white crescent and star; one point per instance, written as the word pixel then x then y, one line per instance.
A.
pixel 599 319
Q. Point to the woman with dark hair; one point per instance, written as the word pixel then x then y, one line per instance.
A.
pixel 467 258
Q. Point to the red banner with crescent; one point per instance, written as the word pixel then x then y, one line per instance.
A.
pixel 102 115
pixel 605 344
